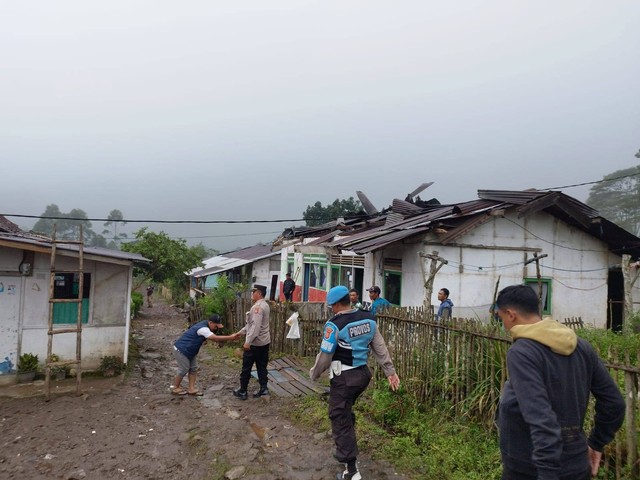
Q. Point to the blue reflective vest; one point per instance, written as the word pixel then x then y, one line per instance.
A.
pixel 347 336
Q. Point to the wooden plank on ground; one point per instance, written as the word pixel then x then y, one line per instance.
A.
pixel 277 374
pixel 272 378
pixel 305 390
pixel 279 391
pixel 278 363
pixel 298 377
pixel 291 389
pixel 292 362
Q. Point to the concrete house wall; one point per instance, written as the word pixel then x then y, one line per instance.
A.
pixel 577 263
pixel 24 321
pixel 578 266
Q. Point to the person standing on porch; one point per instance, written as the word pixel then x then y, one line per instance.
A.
pixel 288 287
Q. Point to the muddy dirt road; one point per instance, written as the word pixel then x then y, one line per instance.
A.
pixel 137 429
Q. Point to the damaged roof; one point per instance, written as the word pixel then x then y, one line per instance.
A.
pixel 405 219
pixel 12 236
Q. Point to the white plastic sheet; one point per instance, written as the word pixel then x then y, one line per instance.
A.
pixel 294 330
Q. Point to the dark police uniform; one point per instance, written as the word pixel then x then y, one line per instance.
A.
pixel 347 338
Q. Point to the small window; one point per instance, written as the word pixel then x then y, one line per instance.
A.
pixel 392 286
pixel 66 286
pixel 545 283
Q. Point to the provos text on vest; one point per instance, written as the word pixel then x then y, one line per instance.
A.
pixel 359 330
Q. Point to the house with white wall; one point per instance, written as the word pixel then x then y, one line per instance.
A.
pixel 256 264
pixel 547 239
pixel 25 276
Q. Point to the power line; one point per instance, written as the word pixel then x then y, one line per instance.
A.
pixel 125 239
pixel 155 221
pixel 209 222
pixel 592 183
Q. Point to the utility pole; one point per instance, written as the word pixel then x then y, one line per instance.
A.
pixel 536 258
pixel 437 263
pixel 630 272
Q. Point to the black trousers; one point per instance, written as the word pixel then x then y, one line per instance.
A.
pixel 345 390
pixel 259 356
pixel 513 475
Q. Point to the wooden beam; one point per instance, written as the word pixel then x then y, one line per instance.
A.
pixel 485 247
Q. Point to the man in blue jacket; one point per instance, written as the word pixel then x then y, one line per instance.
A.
pixel 376 300
pixel 186 348
pixel 445 310
pixel 542 408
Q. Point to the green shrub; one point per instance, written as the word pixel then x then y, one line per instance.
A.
pixel 27 363
pixel 613 347
pixel 111 365
pixel 137 300
pixel 221 297
pixel 53 358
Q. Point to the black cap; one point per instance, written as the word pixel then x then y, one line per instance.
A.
pixel 262 288
pixel 375 289
pixel 215 318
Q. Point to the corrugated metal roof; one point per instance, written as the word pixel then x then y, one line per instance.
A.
pixel 463 217
pixel 230 260
pixel 405 208
pixel 37 243
pixel 7 225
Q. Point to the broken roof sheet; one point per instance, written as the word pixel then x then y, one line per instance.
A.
pixel 405 219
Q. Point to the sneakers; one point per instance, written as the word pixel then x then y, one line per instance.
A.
pixel 348 476
pixel 261 393
pixel 241 394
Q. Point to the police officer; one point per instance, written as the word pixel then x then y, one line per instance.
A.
pixel 256 344
pixel 348 336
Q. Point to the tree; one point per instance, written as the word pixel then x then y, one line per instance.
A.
pixel 617 198
pixel 204 252
pixel 170 259
pixel 67 224
pixel 114 219
pixel 316 214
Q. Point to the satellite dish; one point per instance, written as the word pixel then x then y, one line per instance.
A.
pixel 422 187
pixel 366 203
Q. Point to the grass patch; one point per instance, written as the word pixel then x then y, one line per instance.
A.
pixel 310 411
pixel 427 442
pixel 423 443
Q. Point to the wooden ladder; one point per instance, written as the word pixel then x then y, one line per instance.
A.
pixel 52 301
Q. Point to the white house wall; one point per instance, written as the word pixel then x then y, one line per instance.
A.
pixel 262 272
pixel 580 267
pixel 108 327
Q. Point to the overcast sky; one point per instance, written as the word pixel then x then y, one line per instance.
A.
pixel 249 110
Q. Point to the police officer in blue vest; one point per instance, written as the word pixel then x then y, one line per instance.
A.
pixel 348 337
pixel 186 348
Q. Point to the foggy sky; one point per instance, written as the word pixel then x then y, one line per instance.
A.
pixel 210 110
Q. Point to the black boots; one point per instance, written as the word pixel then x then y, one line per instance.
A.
pixel 261 393
pixel 348 476
pixel 241 394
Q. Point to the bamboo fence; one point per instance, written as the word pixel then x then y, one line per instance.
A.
pixel 460 361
